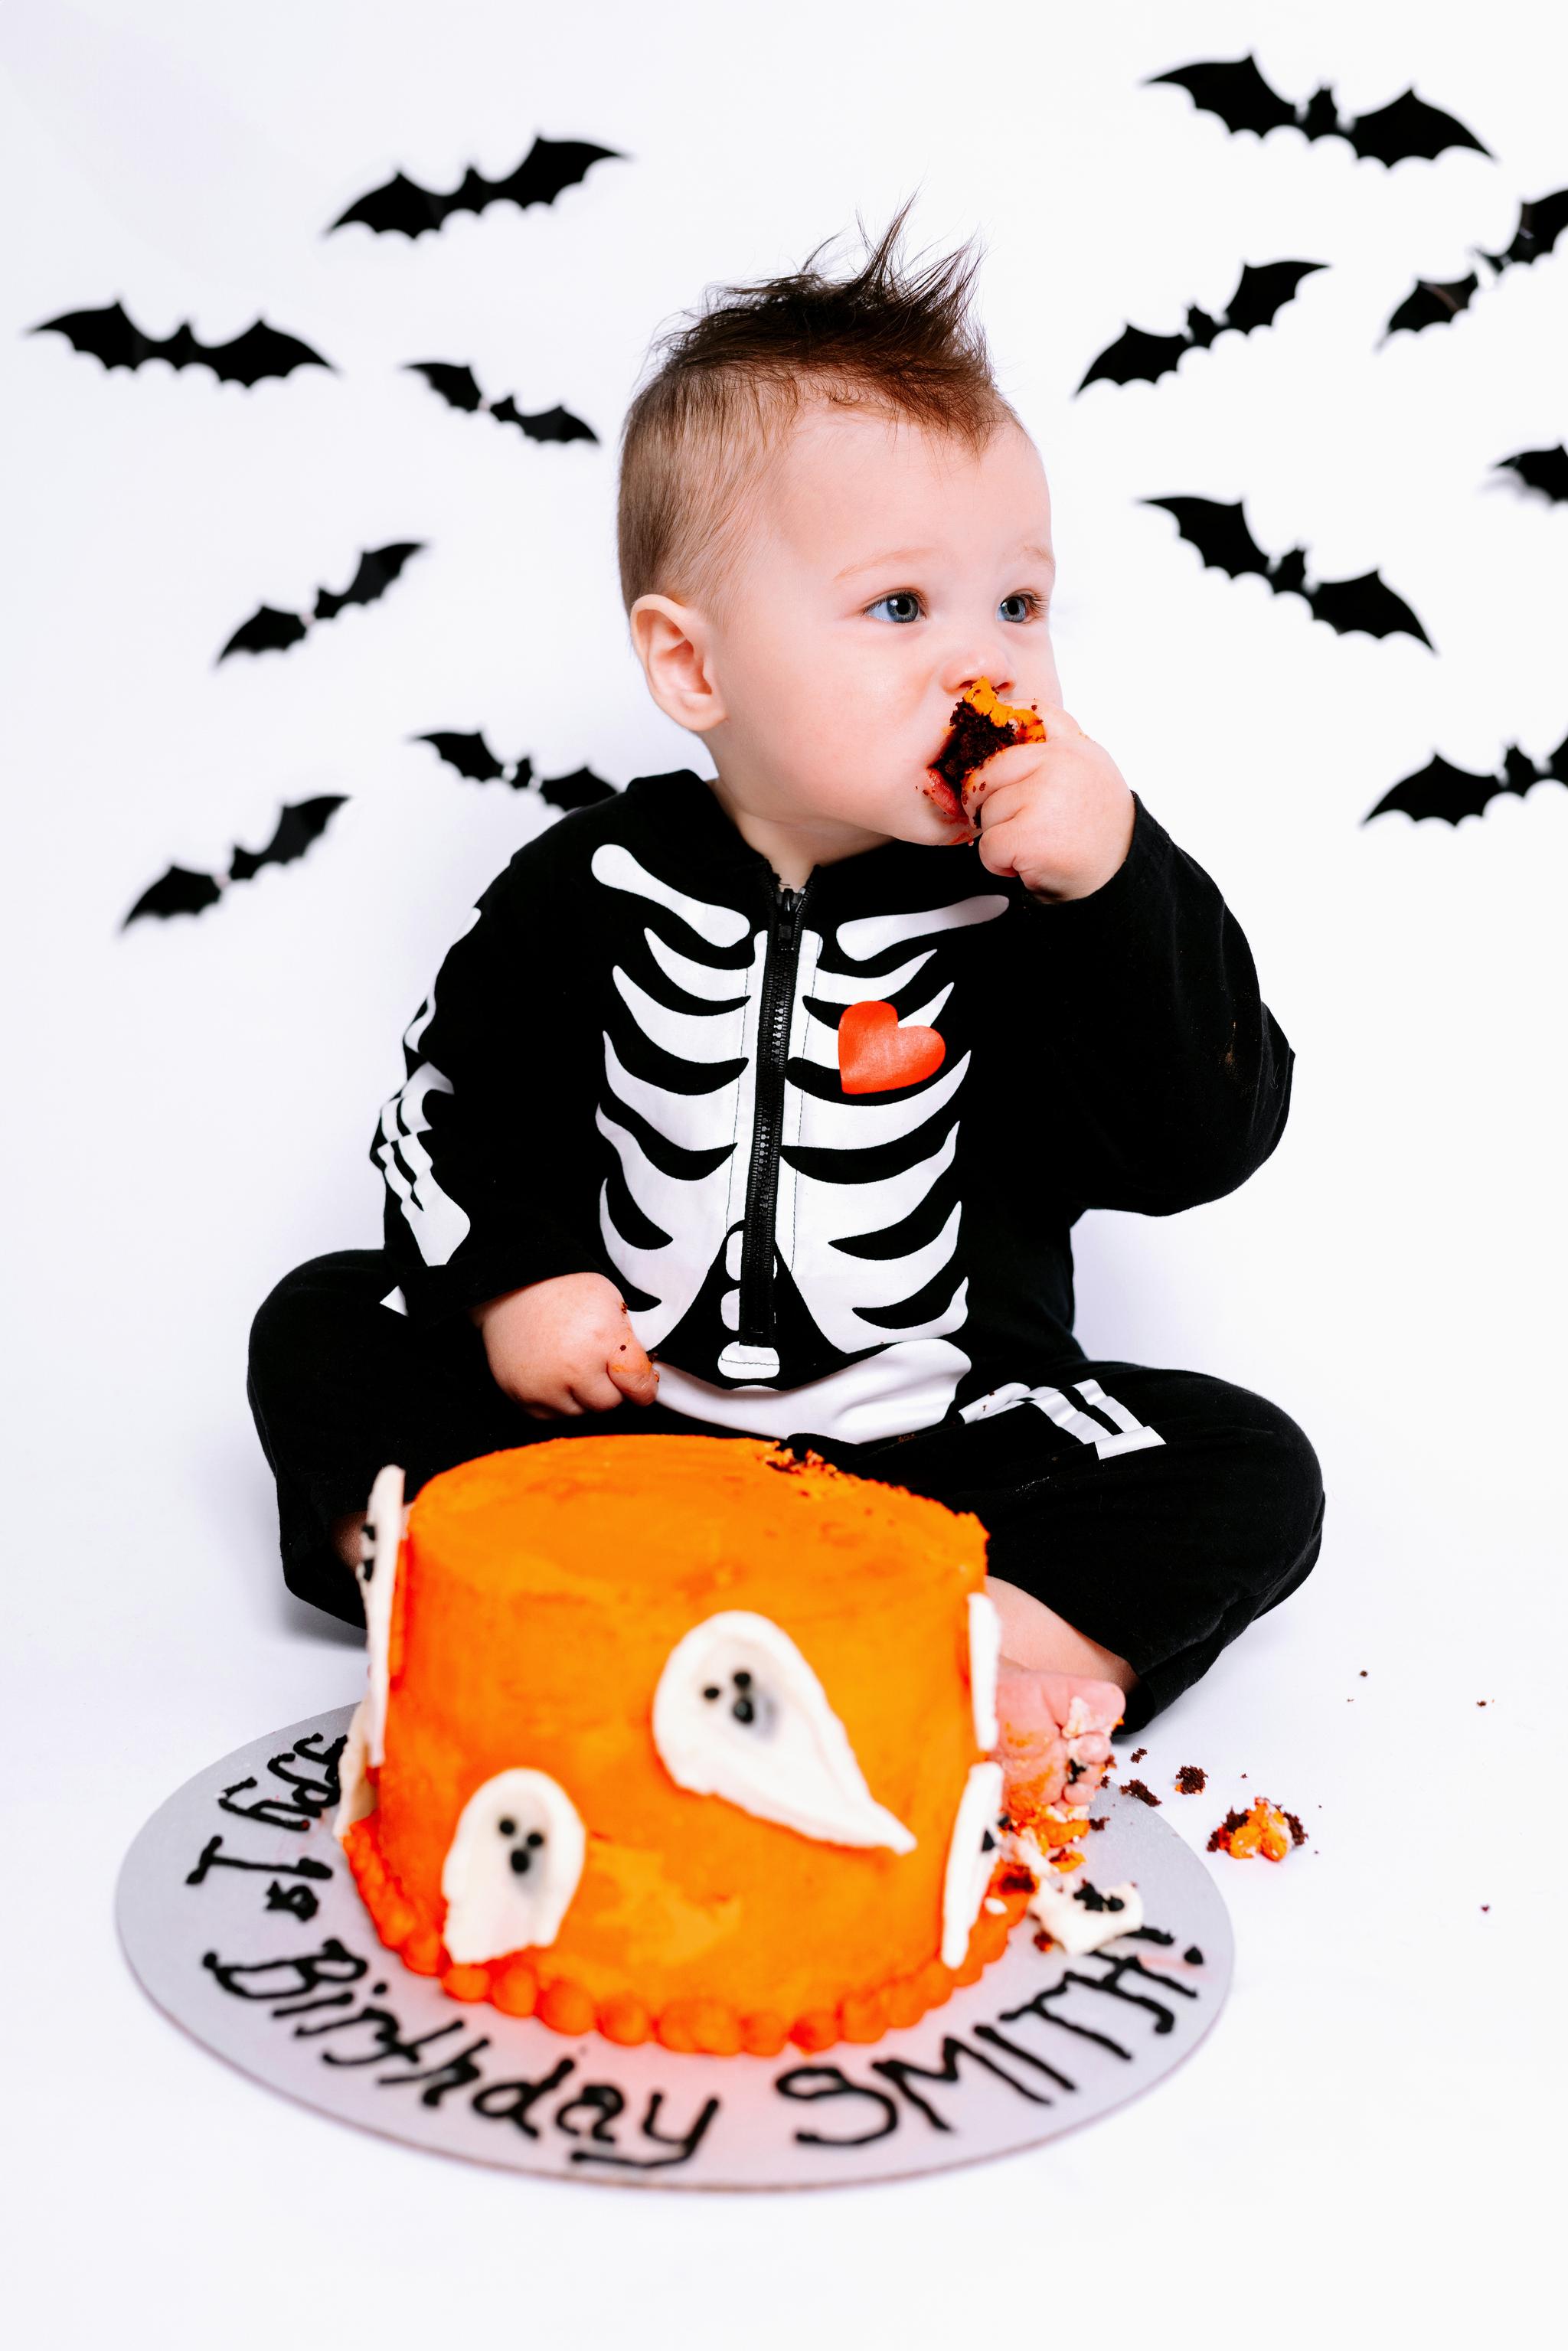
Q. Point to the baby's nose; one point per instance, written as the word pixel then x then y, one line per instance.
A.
pixel 961 675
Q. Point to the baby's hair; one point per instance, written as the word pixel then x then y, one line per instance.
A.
pixel 730 378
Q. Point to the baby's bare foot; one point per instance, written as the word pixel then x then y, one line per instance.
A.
pixel 1055 1741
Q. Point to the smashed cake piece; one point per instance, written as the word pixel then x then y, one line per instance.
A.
pixel 1191 1780
pixel 981 723
pixel 1263 1829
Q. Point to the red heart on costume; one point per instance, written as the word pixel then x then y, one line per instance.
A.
pixel 875 1054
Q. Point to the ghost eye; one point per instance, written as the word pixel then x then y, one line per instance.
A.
pixel 774 1747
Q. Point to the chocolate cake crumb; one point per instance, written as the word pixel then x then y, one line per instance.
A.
pixel 1042 1942
pixel 1364 1673
pixel 1193 1956
pixel 1298 1834
pixel 971 739
pixel 1191 1780
pixel 1100 1822
pixel 1228 1827
pixel 1486 1906
pixel 1136 1788
pixel 1139 1753
pixel 1480 1701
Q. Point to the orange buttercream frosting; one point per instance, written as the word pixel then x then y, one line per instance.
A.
pixel 539 1595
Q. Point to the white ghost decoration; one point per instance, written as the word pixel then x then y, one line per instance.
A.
pixel 386 1521
pixel 738 1713
pixel 971 1857
pixel 512 1867
pixel 356 1794
pixel 985 1658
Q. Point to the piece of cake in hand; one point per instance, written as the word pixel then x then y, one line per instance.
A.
pixel 680 1737
pixel 981 725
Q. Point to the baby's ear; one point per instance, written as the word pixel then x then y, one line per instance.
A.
pixel 672 641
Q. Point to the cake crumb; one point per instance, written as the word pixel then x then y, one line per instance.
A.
pixel 1139 1752
pixel 1136 1788
pixel 1263 1830
pixel 1486 1906
pixel 1100 1819
pixel 1364 1673
pixel 1191 1780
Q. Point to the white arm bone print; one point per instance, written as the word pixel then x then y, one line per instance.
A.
pixel 438 1224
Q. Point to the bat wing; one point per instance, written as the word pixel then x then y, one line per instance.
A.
pixel 1539 226
pixel 1439 790
pixel 400 205
pixel 1431 306
pixel 1263 292
pixel 178 891
pixel 262 350
pixel 1408 126
pixel 297 827
pixel 549 166
pixel 108 335
pixel 265 631
pixel 1365 604
pixel 582 788
pixel 469 754
pixel 1540 469
pixel 456 384
pixel 377 568
pixel 548 424
pixel 1219 532
pixel 1234 90
pixel 1137 358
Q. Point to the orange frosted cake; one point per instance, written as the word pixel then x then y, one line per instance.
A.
pixel 680 1738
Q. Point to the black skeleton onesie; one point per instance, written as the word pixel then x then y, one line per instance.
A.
pixel 630 1064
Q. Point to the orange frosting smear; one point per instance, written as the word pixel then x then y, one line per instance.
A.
pixel 540 1592
pixel 1025 720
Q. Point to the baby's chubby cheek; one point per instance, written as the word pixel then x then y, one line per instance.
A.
pixel 839 735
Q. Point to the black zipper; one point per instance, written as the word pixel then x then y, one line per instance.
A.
pixel 757 1247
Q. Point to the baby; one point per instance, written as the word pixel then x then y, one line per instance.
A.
pixel 766 1104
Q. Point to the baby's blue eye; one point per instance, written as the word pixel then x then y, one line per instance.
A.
pixel 1022 607
pixel 902 605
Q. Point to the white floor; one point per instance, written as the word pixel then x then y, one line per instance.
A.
pixel 1365 2150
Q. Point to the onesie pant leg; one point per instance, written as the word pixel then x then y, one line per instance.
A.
pixel 1158 1512
pixel 340 1385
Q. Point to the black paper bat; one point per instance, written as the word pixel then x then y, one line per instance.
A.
pixel 1236 90
pixel 1221 537
pixel 549 165
pixel 270 631
pixel 182 891
pixel 458 388
pixel 110 336
pixel 1452 793
pixel 1539 469
pixel 1137 357
pixel 472 759
pixel 1433 305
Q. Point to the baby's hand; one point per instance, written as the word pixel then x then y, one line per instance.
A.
pixel 566 1346
pixel 1058 814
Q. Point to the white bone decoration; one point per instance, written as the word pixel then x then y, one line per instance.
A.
pixel 512 1867
pixel 971 1857
pixel 985 1658
pixel 385 1520
pixel 738 1713
pixel 356 1790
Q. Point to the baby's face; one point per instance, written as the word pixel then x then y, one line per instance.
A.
pixel 882 570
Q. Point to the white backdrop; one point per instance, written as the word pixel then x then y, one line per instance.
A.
pixel 191 1099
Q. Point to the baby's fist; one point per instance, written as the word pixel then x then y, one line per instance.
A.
pixel 566 1346
pixel 1057 814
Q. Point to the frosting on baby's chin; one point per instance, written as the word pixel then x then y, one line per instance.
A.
pixel 512 1867
pixel 377 1574
pixel 739 1714
pixel 984 1659
pixel 971 1857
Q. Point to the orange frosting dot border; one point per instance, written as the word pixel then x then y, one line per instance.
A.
pixel 522 1985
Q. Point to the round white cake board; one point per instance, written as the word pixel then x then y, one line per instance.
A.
pixel 241 1917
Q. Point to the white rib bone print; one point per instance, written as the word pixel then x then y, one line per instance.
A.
pixel 700 1212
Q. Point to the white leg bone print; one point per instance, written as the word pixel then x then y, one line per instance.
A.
pixel 1127 1433
pixel 704 1028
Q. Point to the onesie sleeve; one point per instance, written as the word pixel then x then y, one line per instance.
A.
pixel 1166 1078
pixel 483 1149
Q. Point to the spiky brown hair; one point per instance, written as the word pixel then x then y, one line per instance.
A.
pixel 730 378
